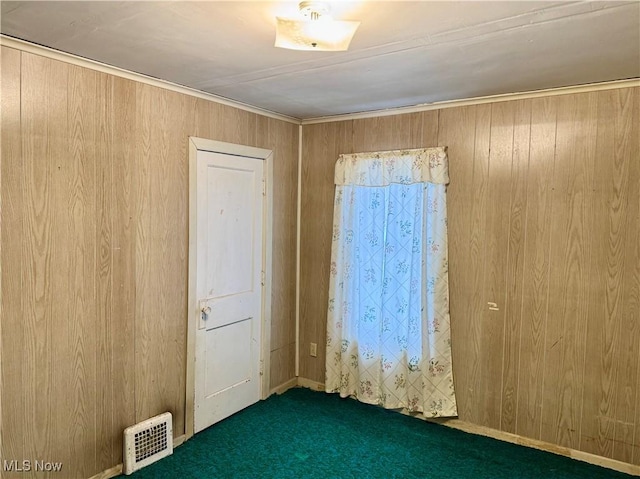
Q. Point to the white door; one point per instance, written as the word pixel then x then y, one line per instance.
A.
pixel 229 262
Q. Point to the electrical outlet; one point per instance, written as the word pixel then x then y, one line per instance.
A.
pixel 313 349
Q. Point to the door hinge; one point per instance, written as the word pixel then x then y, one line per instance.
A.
pixel 262 278
pixel 264 187
pixel 261 367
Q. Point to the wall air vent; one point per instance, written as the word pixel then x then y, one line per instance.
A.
pixel 147 442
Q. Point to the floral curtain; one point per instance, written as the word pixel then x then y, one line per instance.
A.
pixel 388 336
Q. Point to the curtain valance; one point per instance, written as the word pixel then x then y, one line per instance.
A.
pixel 422 165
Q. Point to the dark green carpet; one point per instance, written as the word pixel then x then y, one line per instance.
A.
pixel 307 434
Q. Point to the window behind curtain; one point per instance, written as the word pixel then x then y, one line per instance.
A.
pixel 388 321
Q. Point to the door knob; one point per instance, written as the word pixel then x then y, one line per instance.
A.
pixel 206 310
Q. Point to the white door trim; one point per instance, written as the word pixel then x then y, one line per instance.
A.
pixel 201 144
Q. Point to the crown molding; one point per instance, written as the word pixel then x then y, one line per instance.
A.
pixel 41 50
pixel 568 90
pixel 10 42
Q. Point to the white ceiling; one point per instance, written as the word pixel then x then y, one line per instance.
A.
pixel 404 53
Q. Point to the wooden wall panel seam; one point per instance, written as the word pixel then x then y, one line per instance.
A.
pixel 505 301
pixel 518 219
pixel 635 153
pixel 589 303
pixel 12 201
pixel 546 316
pixel 524 262
pixel 535 274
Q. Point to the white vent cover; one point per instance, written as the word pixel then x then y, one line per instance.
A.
pixel 147 442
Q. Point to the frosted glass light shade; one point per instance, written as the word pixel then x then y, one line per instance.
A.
pixel 320 35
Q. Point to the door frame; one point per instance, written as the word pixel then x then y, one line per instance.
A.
pixel 202 144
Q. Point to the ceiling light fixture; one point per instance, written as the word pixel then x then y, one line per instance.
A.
pixel 317 31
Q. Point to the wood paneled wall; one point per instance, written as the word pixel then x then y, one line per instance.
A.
pixel 544 220
pixel 94 196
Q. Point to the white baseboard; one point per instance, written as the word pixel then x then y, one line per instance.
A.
pixel 309 384
pixel 291 383
pixel 117 470
pixel 109 473
pixel 537 444
pixel 455 424
pixel 513 438
pixel 179 440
